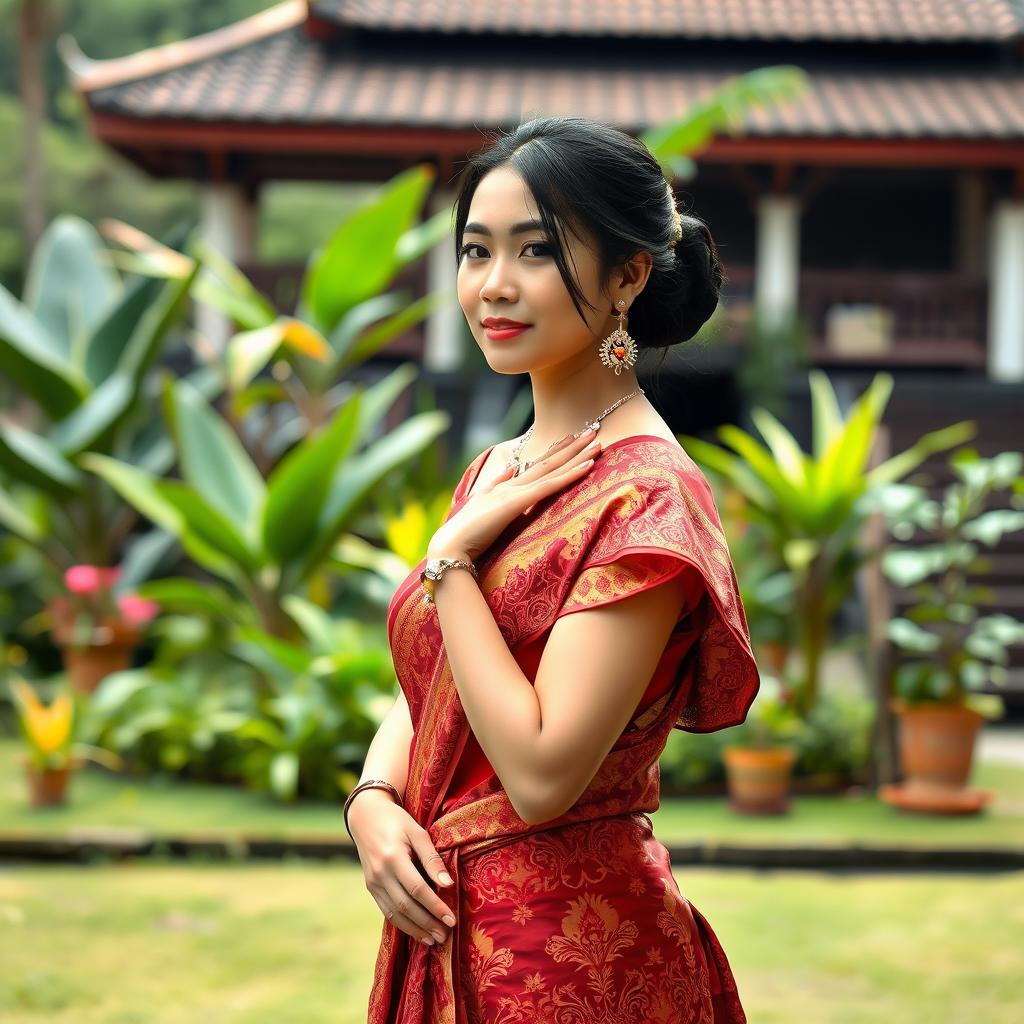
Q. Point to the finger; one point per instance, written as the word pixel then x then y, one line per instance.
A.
pixel 558 458
pixel 409 916
pixel 429 908
pixel 554 481
pixel 398 919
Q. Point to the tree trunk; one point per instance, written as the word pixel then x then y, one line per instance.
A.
pixel 32 24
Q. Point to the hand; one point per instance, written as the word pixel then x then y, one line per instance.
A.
pixel 482 518
pixel 385 836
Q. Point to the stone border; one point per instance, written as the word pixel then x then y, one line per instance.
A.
pixel 89 845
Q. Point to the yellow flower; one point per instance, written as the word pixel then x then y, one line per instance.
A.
pixel 48 729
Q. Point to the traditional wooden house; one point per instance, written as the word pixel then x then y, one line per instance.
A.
pixel 885 206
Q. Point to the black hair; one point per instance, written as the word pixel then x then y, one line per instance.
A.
pixel 595 176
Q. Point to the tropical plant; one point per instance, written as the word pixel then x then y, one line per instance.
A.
pixel 953 649
pixel 329 695
pixel 345 313
pixel 266 539
pixel 79 346
pixel 178 718
pixel 91 603
pixel 51 730
pixel 811 504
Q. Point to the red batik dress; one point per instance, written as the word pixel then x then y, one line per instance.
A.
pixel 577 920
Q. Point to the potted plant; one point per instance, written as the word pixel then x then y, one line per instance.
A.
pixel 759 763
pixel 96 629
pixel 53 751
pixel 808 508
pixel 949 650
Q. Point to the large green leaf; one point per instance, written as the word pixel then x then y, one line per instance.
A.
pixel 299 485
pixel 214 461
pixel 30 357
pixel 142 492
pixel 110 338
pixel 360 258
pixel 156 321
pixel 177 594
pixel 17 521
pixel 209 525
pixel 357 476
pixel 34 460
pixel 83 428
pixel 69 287
pixel 724 108
pixel 381 334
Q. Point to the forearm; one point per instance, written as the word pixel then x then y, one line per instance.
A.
pixel 388 754
pixel 500 703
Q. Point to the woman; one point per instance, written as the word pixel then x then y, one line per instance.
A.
pixel 587 606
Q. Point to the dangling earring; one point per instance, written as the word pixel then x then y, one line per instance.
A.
pixel 618 350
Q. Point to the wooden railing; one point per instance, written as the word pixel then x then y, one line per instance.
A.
pixel 938 318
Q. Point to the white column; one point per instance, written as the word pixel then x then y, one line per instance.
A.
pixel 777 267
pixel 446 326
pixel 1006 291
pixel 228 222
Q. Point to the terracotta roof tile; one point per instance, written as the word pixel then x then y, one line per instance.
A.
pixel 920 20
pixel 288 78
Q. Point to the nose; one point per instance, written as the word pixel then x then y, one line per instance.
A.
pixel 498 282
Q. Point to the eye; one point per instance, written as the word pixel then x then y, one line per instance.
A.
pixel 545 249
pixel 464 251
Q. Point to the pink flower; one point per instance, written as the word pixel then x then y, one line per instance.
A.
pixel 137 610
pixel 88 579
pixel 82 579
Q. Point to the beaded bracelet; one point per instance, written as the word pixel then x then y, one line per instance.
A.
pixel 370 784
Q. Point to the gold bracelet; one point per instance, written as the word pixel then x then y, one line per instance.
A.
pixel 435 568
pixel 369 784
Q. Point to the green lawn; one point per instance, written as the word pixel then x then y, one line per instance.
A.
pixel 294 943
pixel 165 806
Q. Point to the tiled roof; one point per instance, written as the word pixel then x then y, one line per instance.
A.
pixel 911 20
pixel 288 78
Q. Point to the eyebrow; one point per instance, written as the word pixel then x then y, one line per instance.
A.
pixel 517 229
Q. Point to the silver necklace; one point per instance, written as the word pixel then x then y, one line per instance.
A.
pixel 521 467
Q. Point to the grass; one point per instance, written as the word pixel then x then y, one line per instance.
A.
pixel 168 806
pixel 155 943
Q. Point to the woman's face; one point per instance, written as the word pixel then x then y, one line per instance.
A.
pixel 510 273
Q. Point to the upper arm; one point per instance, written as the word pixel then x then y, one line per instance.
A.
pixel 596 665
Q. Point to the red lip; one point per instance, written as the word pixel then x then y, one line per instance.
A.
pixel 499 322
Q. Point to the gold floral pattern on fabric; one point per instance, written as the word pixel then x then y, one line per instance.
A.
pixel 629 949
pixel 577 919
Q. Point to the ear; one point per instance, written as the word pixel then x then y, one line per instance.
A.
pixel 628 281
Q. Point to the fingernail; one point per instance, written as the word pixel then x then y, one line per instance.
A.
pixel 427 940
pixel 446 879
pixel 449 920
pixel 439 937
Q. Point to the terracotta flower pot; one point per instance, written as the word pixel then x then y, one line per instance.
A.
pixel 109 649
pixel 759 780
pixel 936 748
pixel 48 788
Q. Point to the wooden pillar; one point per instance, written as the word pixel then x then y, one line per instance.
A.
pixel 971 221
pixel 1006 291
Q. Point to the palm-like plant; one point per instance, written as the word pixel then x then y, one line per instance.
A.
pixel 810 504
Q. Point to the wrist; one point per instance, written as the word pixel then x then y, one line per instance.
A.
pixel 447 552
pixel 359 799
